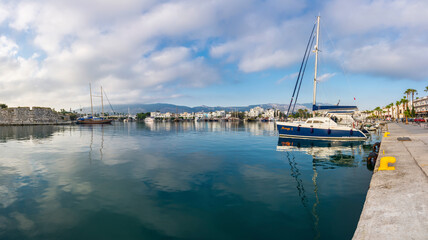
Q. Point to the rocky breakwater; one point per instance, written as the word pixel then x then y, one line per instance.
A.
pixel 27 116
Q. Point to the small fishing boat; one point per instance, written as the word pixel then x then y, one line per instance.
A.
pixel 324 128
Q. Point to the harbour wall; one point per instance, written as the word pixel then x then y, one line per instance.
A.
pixel 28 116
pixel 396 205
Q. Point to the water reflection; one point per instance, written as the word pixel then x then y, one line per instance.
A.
pixel 28 132
pixel 164 180
pixel 324 154
pixel 328 154
pixel 255 128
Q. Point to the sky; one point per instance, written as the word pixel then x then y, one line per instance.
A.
pixel 209 52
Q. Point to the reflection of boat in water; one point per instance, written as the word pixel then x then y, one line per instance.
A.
pixel 325 154
pixel 149 120
pixel 336 153
pixel 319 127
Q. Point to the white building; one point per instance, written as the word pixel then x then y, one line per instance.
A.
pixel 270 113
pixel 421 106
pixel 255 112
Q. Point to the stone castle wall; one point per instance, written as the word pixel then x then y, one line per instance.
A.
pixel 25 115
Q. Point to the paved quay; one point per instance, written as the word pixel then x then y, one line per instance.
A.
pixel 396 205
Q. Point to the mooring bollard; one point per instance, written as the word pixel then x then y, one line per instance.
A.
pixel 383 166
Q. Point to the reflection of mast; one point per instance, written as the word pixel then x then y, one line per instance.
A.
pixel 295 173
pixel 317 201
pixel 102 143
pixel 90 145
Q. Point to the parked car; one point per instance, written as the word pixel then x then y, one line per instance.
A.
pixel 419 120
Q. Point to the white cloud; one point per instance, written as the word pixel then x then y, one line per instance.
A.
pixel 381 38
pixel 325 77
pixel 288 77
pixel 148 49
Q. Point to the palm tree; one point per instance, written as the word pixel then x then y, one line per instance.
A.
pixel 392 110
pixel 404 101
pixel 378 111
pixel 389 106
pixel 412 92
pixel 426 89
pixel 397 104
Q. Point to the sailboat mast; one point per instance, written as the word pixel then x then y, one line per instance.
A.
pixel 316 65
pixel 102 103
pixel 90 93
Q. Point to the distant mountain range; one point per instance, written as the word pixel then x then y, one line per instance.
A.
pixel 165 107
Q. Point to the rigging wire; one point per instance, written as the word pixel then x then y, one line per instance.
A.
pixel 303 74
pixel 108 102
pixel 306 55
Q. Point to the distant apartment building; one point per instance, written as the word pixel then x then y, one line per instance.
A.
pixel 270 113
pixel 255 112
pixel 219 114
pixel 395 112
pixel 155 114
pixel 421 106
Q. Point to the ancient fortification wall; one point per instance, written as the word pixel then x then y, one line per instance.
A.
pixel 27 116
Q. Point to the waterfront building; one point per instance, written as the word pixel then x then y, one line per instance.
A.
pixel 270 113
pixel 421 106
pixel 155 114
pixel 255 112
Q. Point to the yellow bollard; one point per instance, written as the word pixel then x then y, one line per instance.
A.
pixel 383 166
pixel 386 134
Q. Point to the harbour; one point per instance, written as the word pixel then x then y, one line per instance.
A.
pixel 223 120
pixel 188 180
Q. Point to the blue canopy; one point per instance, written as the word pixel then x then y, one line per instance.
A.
pixel 333 107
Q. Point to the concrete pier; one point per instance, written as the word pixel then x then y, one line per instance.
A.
pixel 396 205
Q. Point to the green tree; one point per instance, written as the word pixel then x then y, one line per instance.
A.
pixel 142 116
pixel 2 105
pixel 412 92
pixel 378 110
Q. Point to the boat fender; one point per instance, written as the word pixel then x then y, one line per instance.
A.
pixel 371 159
pixel 298 128
pixel 329 131
pixel 376 147
pixel 351 132
pixel 312 130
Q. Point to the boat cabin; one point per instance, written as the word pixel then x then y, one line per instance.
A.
pixel 323 121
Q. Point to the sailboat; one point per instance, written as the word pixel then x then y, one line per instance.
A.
pixel 91 119
pixel 323 128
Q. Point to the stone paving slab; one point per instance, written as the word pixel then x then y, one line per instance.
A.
pixel 396 205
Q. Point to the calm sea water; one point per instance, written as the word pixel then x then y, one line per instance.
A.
pixel 177 181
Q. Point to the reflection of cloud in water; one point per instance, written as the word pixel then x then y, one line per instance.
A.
pixel 83 188
pixel 24 223
pixel 7 196
pixel 171 175
pixel 128 180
